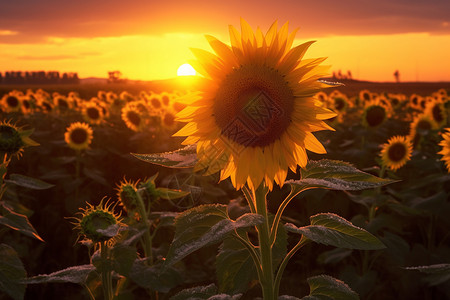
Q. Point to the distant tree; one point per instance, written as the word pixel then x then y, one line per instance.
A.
pixel 115 77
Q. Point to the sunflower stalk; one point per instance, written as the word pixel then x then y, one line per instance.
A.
pixel 303 241
pixel 265 245
pixel 106 272
pixel 147 237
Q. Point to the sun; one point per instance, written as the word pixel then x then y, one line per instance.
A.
pixel 186 70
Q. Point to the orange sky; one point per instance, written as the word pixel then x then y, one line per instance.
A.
pixel 149 40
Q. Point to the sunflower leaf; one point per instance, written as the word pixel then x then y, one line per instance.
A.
pixel 204 225
pixel 28 182
pixel 434 274
pixel 17 222
pixel 171 194
pixel 12 272
pixel 327 287
pixel 182 158
pixel 336 175
pixel 76 274
pixel 207 292
pixel 331 229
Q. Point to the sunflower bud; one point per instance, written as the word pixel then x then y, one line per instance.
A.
pixel 128 197
pixel 148 187
pixel 13 140
pixel 98 223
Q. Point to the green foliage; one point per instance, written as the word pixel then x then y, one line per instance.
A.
pixel 12 272
pixel 28 182
pixel 331 229
pixel 324 287
pixel 17 222
pixel 336 175
pixel 76 274
pixel 182 158
pixel 208 292
pixel 204 225
pixel 434 274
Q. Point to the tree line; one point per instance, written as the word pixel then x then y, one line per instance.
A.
pixel 38 77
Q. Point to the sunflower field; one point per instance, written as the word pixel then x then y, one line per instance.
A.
pixel 109 193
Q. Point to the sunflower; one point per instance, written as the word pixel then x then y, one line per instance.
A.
pixel 92 112
pixel 414 101
pixel 396 152
pixel 98 223
pixel 437 111
pixel 155 102
pixel 338 101
pixel 165 98
pixel 445 152
pixel 365 96
pixel 78 136
pixel 253 118
pixel 420 126
pixel 168 120
pixel 11 103
pixel 133 118
pixel 62 103
pixel 13 140
pixel 374 114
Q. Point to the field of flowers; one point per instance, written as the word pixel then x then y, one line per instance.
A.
pixel 67 160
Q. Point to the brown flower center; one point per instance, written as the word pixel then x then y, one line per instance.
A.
pixel 253 105
pixel 437 113
pixel 93 113
pixel 375 115
pixel 134 118
pixel 78 136
pixel 12 101
pixel 396 152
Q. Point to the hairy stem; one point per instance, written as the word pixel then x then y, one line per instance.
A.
pixel 303 241
pixel 106 272
pixel 265 245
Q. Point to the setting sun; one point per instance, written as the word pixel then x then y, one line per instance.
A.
pixel 186 70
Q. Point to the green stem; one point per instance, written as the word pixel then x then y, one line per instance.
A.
pixel 91 296
pixel 251 249
pixel 265 246
pixel 250 199
pixel 303 241
pixel 147 237
pixel 281 208
pixel 106 272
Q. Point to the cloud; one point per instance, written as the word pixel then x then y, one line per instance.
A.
pixel 34 20
pixel 7 32
pixel 47 57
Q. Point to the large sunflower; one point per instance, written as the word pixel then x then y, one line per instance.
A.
pixel 445 152
pixel 253 118
pixel 396 152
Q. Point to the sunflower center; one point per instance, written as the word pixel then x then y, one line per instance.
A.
pixel 93 113
pixel 169 119
pixel 424 125
pixel 134 118
pixel 78 136
pixel 155 103
pixel 437 114
pixel 253 105
pixel 63 103
pixel 375 115
pixel 339 103
pixel 396 152
pixel 12 101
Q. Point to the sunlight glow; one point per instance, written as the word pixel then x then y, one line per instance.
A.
pixel 186 70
